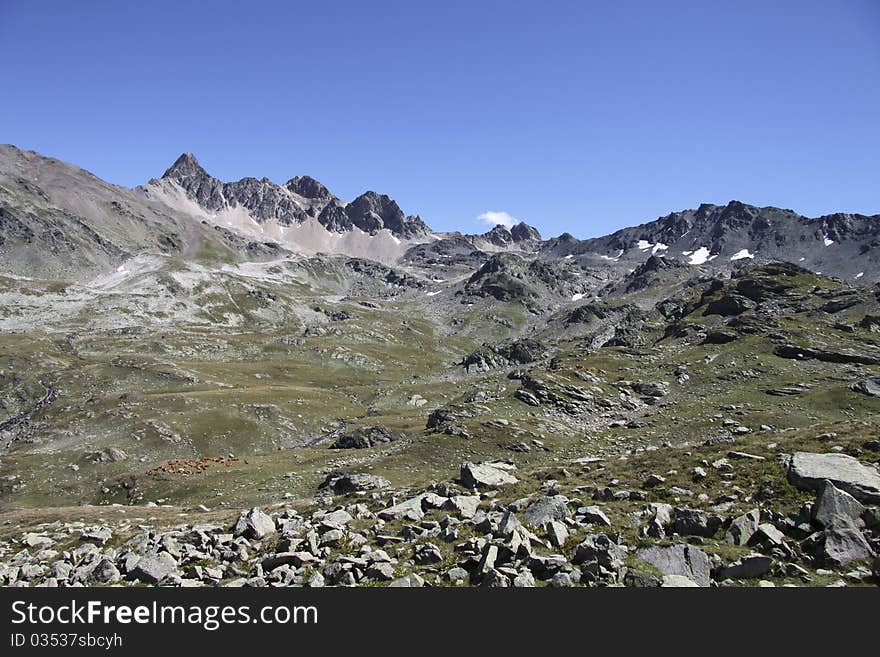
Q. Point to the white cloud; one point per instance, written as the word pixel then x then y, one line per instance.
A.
pixel 498 219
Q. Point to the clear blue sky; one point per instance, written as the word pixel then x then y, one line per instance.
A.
pixel 578 116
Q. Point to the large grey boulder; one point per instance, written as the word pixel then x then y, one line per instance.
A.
pixel 743 528
pixel 104 572
pixel 748 567
pixel 679 559
pixel 255 524
pixel 809 471
pixel 410 509
pixel 843 545
pixel 836 508
pixel 154 568
pixel 547 508
pixel 485 475
pixel 593 515
pixel 656 527
pixel 465 505
pixel 694 522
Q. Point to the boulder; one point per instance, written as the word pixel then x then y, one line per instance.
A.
pixel 547 508
pixel 255 524
pixel 841 545
pixel 748 567
pixel 651 388
pixel 485 475
pixel 694 522
pixel 364 437
pixel 809 471
pixel 836 508
pixel 742 528
pixel 427 553
pixel 679 559
pixel 410 509
pixel 495 579
pixel 154 568
pixel 593 515
pixel 768 534
pixel 464 505
pixel 410 581
pixel 104 572
pixel 557 533
pixel 870 387
pixel 524 579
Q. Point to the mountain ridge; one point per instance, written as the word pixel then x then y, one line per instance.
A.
pixel 303 215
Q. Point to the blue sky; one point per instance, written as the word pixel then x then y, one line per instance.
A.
pixel 574 116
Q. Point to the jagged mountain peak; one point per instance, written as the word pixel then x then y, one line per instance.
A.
pixel 185 166
pixel 503 236
pixel 523 231
pixel 308 187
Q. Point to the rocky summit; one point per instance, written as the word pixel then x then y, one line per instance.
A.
pixel 254 383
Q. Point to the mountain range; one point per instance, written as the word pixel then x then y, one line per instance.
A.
pixel 62 220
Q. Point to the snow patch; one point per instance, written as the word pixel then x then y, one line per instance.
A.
pixel 827 240
pixel 433 294
pixel 860 274
pixel 740 255
pixel 577 297
pixel 644 245
pixel 700 256
pixel 659 246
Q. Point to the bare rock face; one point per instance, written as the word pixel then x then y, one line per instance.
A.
pixel 809 471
